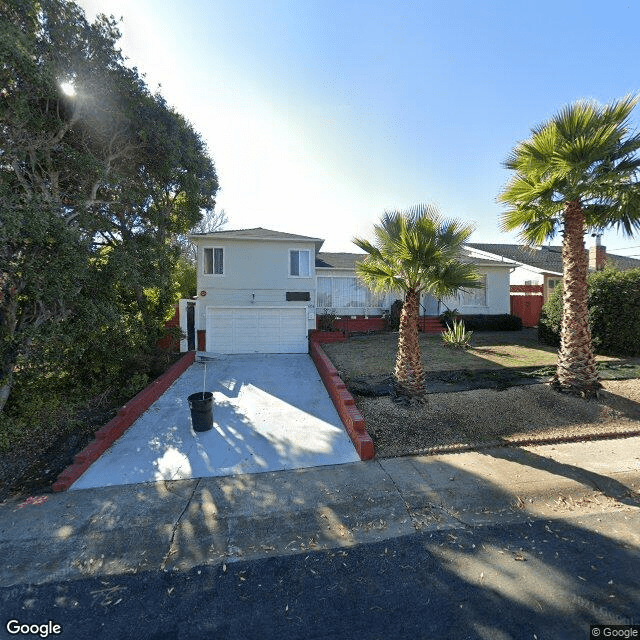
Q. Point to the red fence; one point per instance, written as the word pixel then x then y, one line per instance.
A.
pixel 526 302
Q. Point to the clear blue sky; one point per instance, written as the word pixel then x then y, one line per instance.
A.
pixel 321 114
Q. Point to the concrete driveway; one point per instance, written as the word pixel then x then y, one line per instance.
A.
pixel 271 412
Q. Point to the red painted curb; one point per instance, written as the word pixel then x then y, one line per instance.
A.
pixel 127 415
pixel 343 402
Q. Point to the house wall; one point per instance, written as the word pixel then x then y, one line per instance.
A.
pixel 525 275
pixel 497 292
pixel 497 298
pixel 548 289
pixel 255 273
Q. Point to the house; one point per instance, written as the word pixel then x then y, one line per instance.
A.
pixel 260 291
pixel 340 290
pixel 543 265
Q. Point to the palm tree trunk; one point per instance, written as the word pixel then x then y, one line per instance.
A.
pixel 409 375
pixel 576 371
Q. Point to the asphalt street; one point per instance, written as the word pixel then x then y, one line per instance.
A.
pixel 537 579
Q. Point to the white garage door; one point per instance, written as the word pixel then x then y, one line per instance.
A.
pixel 257 330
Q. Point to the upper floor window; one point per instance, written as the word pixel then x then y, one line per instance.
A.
pixel 299 263
pixel 214 261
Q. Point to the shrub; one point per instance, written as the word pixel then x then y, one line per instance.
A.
pixel 327 321
pixel 449 316
pixel 456 336
pixel 497 322
pixel 614 313
pixel 551 319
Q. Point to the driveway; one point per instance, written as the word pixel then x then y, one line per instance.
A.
pixel 271 413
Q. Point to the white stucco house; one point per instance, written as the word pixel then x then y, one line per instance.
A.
pixel 260 291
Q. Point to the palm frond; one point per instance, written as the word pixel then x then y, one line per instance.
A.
pixel 411 249
pixel 584 153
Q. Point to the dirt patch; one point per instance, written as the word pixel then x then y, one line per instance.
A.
pixel 32 467
pixel 486 417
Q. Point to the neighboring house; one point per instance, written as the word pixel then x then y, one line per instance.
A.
pixel 260 291
pixel 543 265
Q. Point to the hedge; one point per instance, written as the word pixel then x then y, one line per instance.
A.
pixel 498 322
pixel 614 313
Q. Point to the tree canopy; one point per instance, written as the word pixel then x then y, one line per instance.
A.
pixel 98 177
pixel 578 171
pixel 415 251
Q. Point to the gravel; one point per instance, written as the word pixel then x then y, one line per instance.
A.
pixel 489 417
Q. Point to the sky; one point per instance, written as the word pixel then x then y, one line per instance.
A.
pixel 322 114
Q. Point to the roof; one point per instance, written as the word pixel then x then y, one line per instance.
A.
pixel 546 258
pixel 258 233
pixel 338 260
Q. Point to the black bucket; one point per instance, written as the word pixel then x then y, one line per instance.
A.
pixel 201 405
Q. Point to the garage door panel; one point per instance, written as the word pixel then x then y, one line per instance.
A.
pixel 256 330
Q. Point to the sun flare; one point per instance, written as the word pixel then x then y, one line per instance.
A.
pixel 68 89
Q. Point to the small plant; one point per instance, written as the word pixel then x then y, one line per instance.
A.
pixel 327 321
pixel 457 337
pixel 448 316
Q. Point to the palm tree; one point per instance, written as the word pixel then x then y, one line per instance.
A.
pixel 577 172
pixel 415 251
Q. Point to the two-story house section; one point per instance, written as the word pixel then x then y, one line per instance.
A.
pixel 256 290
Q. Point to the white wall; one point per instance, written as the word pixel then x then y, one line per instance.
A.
pixel 523 275
pixel 497 297
pixel 497 290
pixel 255 273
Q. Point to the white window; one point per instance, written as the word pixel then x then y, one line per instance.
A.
pixel 299 262
pixel 346 292
pixel 214 261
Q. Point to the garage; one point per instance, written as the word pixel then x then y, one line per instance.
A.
pixel 256 330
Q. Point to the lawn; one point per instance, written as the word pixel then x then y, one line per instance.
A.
pixel 478 397
pixel 374 355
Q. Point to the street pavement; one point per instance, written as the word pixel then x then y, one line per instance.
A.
pixel 530 542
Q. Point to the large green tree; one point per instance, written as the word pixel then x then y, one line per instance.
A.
pixel 577 172
pixel 98 178
pixel 415 251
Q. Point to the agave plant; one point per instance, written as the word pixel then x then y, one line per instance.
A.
pixel 457 336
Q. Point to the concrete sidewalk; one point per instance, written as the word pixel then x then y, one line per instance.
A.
pixel 175 525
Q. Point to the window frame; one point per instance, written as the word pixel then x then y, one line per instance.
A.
pixel 309 273
pixel 458 300
pixel 213 261
pixel 556 281
pixel 382 298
